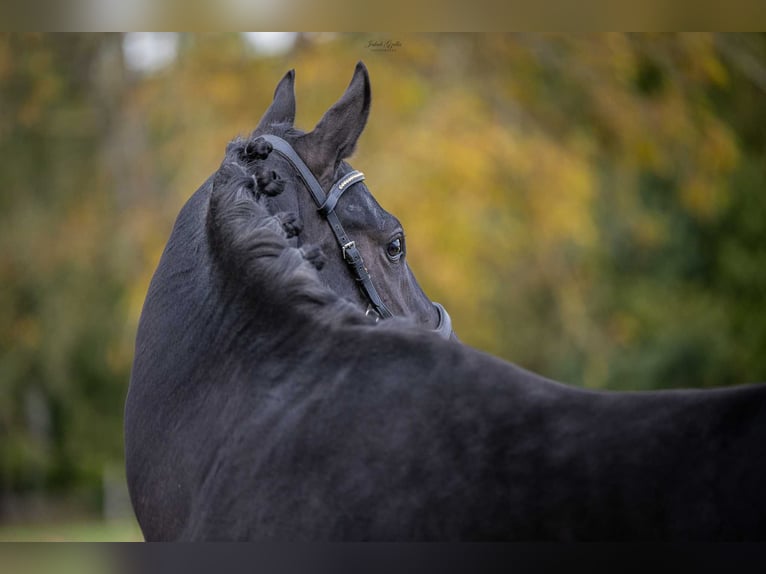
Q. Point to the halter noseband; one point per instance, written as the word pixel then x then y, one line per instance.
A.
pixel 326 206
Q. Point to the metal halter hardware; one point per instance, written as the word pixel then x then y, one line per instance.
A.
pixel 326 206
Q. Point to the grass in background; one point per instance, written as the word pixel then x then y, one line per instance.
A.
pixel 123 530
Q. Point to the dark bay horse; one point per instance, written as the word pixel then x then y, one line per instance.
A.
pixel 276 396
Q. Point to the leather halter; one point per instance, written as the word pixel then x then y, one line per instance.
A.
pixel 326 206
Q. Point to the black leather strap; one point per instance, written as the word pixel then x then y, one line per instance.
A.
pixel 337 190
pixel 326 206
pixel 287 151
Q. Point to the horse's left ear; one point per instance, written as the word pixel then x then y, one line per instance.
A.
pixel 282 109
pixel 334 137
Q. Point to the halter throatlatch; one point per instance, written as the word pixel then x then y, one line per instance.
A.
pixel 326 206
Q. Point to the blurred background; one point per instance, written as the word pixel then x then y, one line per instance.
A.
pixel 592 208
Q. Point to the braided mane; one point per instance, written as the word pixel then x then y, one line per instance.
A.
pixel 251 245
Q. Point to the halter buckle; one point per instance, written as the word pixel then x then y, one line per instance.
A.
pixel 372 311
pixel 347 246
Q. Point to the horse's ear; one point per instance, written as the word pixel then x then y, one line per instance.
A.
pixel 282 109
pixel 334 137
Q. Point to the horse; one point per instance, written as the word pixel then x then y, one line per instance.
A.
pixel 292 381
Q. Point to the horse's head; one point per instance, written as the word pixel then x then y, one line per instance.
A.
pixel 362 249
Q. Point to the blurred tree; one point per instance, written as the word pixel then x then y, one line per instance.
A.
pixel 60 277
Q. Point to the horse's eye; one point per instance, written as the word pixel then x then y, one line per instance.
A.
pixel 395 249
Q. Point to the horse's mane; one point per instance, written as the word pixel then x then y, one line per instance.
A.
pixel 251 245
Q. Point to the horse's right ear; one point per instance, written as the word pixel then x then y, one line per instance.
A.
pixel 282 109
